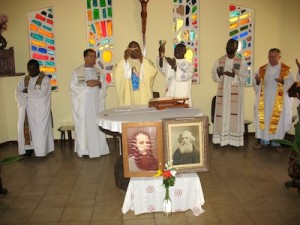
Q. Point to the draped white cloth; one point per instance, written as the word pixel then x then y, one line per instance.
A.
pixel 113 118
pixel 179 82
pixel 87 102
pixel 146 194
pixel 270 88
pixel 36 103
pixel 223 128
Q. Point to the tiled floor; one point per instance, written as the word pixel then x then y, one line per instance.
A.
pixel 244 187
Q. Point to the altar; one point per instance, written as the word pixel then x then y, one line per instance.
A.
pixel 146 194
pixel 113 118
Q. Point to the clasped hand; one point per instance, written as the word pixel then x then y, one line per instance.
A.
pixel 93 83
pixel 220 72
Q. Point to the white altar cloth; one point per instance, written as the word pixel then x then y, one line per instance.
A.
pixel 146 194
pixel 113 118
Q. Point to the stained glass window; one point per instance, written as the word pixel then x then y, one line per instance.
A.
pixel 241 28
pixel 100 34
pixel 185 30
pixel 42 41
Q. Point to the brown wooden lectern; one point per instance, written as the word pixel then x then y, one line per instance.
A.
pixel 168 102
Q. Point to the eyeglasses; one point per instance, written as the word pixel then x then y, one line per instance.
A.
pixel 92 56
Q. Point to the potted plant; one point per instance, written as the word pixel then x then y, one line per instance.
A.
pixel 294 161
pixel 7 160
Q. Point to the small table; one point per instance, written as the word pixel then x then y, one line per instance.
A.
pixel 110 122
pixel 146 194
pixel 63 130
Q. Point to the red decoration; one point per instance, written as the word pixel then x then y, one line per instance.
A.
pixel 40 17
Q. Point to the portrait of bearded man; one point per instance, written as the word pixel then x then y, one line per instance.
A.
pixel 186 153
pixel 141 157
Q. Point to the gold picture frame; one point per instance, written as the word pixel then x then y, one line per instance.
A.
pixel 142 148
pixel 186 143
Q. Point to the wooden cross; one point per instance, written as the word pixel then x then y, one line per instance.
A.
pixel 144 20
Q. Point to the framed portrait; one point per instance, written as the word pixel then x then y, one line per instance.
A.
pixel 142 148
pixel 186 143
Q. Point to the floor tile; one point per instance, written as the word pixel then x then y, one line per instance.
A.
pixel 42 215
pixel 77 214
pixel 243 186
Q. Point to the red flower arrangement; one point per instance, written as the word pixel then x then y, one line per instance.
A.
pixel 168 180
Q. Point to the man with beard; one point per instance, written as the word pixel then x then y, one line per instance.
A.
pixel 141 156
pixel 186 153
pixel 231 73
pixel 134 77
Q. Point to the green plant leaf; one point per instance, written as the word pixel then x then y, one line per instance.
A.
pixel 10 159
pixel 297 133
pixel 293 144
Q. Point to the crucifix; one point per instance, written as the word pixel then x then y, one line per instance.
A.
pixel 144 22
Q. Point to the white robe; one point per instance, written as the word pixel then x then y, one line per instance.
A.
pixel 37 103
pixel 226 136
pixel 179 82
pixel 270 88
pixel 87 102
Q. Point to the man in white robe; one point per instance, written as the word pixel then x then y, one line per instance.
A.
pixel 33 96
pixel 178 72
pixel 86 93
pixel 230 72
pixel 273 106
pixel 134 77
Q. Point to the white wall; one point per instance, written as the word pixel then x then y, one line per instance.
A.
pixel 276 26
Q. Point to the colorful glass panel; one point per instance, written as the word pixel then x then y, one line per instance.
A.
pixel 241 28
pixel 42 42
pixel 185 30
pixel 100 35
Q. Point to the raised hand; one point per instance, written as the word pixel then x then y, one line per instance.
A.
pixel 172 62
pixel 127 53
pixel 279 80
pixel 257 79
pixel 220 71
pixel 161 50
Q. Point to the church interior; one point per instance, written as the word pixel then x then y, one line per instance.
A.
pixel 242 186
